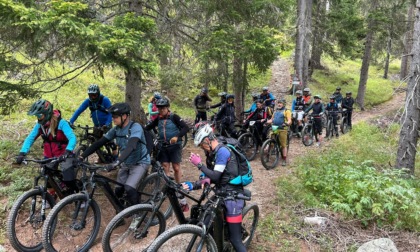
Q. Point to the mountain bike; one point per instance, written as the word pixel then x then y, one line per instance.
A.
pixel 330 124
pixel 30 210
pixel 74 222
pixel 308 131
pixel 271 150
pixel 344 121
pixel 249 141
pixel 90 136
pixel 210 231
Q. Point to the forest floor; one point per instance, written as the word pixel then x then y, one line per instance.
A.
pixel 264 188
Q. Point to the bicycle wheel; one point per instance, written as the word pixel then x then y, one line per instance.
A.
pixel 250 217
pixel 24 224
pixel 72 231
pixel 149 187
pixel 184 237
pixel 307 135
pixel 343 126
pixel 330 129
pixel 249 146
pixel 131 230
pixel 79 150
pixel 269 154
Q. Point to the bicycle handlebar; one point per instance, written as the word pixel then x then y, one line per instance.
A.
pixel 41 161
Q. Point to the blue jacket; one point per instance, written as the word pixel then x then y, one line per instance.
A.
pixel 98 114
pixel 252 108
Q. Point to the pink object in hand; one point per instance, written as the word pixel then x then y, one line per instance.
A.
pixel 195 159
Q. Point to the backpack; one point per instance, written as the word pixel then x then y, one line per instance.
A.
pixel 243 174
pixel 99 106
pixel 147 135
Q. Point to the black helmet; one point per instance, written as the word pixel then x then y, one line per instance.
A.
pixel 222 94
pixel 259 101
pixel 338 88
pixel 255 96
pixel 162 103
pixel 204 90
pixel 230 96
pixel 121 108
pixel 348 93
pixel 42 107
pixel 332 97
pixel 282 100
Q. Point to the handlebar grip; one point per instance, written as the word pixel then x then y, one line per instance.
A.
pixel 243 197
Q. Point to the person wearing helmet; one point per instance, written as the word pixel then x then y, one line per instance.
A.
pixel 338 96
pixel 220 164
pixel 317 111
pixel 152 108
pixel 255 97
pixel 98 105
pixel 333 108
pixel 59 140
pixel 222 96
pixel 260 117
pixel 298 106
pixel 200 105
pixel 348 104
pixel 282 119
pixel 226 116
pixel 307 97
pixel 267 97
pixel 134 158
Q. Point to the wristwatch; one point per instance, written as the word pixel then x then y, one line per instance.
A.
pixel 199 166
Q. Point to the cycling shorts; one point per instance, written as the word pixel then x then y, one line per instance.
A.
pixel 299 115
pixel 234 210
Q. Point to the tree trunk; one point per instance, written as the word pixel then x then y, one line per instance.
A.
pixel 388 53
pixel 307 44
pixel 300 38
pixel 238 86
pixel 318 34
pixel 364 71
pixel 408 43
pixel 407 146
pixel 133 94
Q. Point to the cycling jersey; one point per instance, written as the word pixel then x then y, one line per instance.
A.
pixel 298 104
pixel 97 111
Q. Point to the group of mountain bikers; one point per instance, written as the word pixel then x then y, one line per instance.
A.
pixel 131 153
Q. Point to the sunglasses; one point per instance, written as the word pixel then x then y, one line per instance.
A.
pixel 93 95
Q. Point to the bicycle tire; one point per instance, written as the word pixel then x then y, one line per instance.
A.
pixel 66 234
pixel 18 220
pixel 330 129
pixel 249 146
pixel 250 212
pixel 269 148
pixel 129 230
pixel 149 187
pixel 182 234
pixel 307 135
pixel 343 126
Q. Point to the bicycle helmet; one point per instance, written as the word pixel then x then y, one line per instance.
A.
pixel 222 94
pixel 255 96
pixel 282 100
pixel 162 103
pixel 157 95
pixel 265 89
pixel 348 93
pixel 94 89
pixel 338 88
pixel 120 108
pixel 299 92
pixel 317 97
pixel 259 101
pixel 198 125
pixel 204 90
pixel 42 107
pixel 307 90
pixel 332 97
pixel 203 132
pixel 230 96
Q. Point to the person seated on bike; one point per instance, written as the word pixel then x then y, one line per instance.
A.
pixel 98 105
pixel 267 97
pixel 307 97
pixel 338 96
pixel 255 97
pixel 222 96
pixel 151 108
pixel 332 108
pixel 260 117
pixel 347 103
pixel 200 105
pixel 298 106
pixel 219 165
pixel 226 115
pixel 282 118
pixel 317 111
pixel 134 160
pixel 59 140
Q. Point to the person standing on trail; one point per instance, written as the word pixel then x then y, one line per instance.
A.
pixel 152 108
pixel 307 97
pixel 333 108
pixel 317 111
pixel 338 96
pixel 298 106
pixel 226 115
pixel 200 105
pixel 255 97
pixel 222 96
pixel 267 97
pixel 282 119
pixel 348 104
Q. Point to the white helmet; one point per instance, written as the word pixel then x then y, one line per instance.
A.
pixel 203 132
